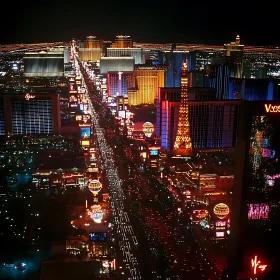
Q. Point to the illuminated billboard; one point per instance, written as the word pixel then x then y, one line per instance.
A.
pixel 258 211
pixel 221 226
pixel 96 213
pixel 220 234
pixel 85 143
pixel 221 210
pixel 263 159
pixel 148 129
pixel 220 223
pixel 78 117
pixel 154 152
pixel 97 236
pixel 85 132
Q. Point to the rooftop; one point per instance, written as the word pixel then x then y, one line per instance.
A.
pixel 70 270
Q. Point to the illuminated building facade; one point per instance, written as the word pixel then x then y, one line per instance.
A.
pixel 214 124
pixel 137 53
pixel 91 42
pixel 234 50
pixel 254 89
pixel 183 144
pixel 116 64
pixel 65 52
pixel 118 83
pixel 256 215
pixel 91 49
pixel 147 81
pixel 174 60
pixel 133 99
pixel 26 113
pixel 90 54
pixel 167 114
pixel 196 79
pixel 123 41
pixel 217 75
pixel 43 64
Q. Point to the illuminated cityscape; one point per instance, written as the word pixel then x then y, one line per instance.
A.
pixel 128 160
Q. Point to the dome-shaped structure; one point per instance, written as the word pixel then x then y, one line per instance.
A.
pixel 221 210
pixel 148 129
pixel 95 186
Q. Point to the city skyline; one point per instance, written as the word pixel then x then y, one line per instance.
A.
pixel 155 22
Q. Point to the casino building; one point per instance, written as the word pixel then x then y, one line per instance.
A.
pixel 255 207
pixel 213 123
pixel 44 64
pixel 30 113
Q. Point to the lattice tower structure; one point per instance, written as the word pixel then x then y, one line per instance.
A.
pixel 183 144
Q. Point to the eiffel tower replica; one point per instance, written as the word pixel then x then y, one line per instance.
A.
pixel 183 144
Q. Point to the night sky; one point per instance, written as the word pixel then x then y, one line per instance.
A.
pixel 154 21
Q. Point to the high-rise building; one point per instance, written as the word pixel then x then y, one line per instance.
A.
pixel 213 123
pixel 116 64
pixel 87 54
pixel 183 144
pixel 196 79
pixel 30 113
pixel 137 53
pixel 191 61
pixel 65 52
pixel 91 49
pixel 147 82
pixel 91 42
pixel 44 64
pixel 174 60
pixel 167 111
pixel 118 83
pixel 217 75
pixel 235 51
pixel 255 223
pixel 122 41
pixel 254 89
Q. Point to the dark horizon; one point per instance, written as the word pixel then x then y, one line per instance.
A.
pixel 137 39
pixel 153 22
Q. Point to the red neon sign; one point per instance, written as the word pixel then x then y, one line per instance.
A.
pixel 256 265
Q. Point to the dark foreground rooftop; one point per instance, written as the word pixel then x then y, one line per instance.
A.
pixel 70 270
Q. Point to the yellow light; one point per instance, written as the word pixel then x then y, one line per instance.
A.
pixel 221 210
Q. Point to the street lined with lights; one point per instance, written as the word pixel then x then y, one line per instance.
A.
pixel 116 194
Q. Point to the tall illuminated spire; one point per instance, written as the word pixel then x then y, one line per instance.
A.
pixel 183 144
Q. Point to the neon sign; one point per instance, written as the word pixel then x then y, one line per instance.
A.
pixel 257 266
pixel 269 108
pixel 29 96
pixel 258 211
pixel 221 223
pixel 221 210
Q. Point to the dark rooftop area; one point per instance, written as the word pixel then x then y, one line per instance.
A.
pixel 70 270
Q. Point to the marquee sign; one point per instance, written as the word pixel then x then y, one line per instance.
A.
pixel 221 210
pixel 269 108
pixel 29 96
pixel 258 211
pixel 256 265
